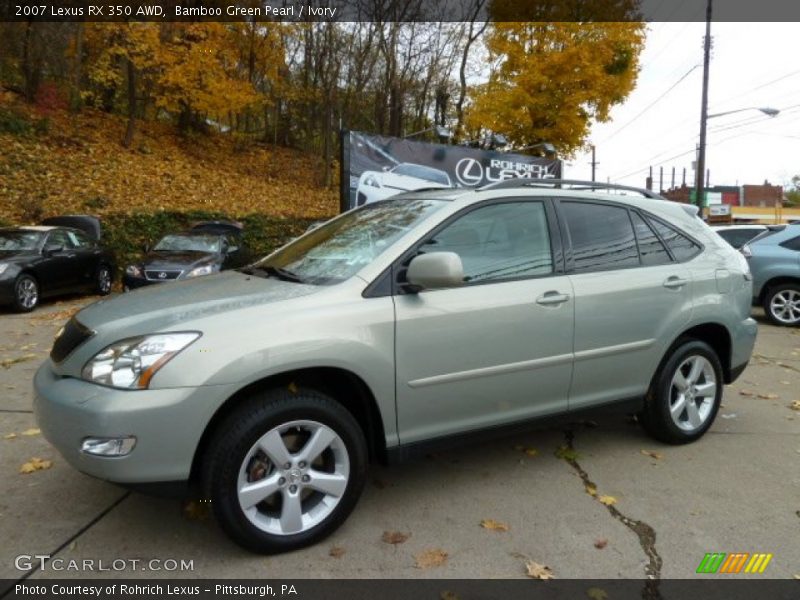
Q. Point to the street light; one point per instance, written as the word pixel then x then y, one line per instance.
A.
pixel 770 112
pixel 701 150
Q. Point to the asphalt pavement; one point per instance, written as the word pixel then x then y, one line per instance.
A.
pixel 588 500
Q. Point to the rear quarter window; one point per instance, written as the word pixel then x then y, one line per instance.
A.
pixel 681 246
pixel 792 244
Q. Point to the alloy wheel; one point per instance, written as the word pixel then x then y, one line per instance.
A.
pixel 785 306
pixel 104 280
pixel 293 477
pixel 27 293
pixel 692 393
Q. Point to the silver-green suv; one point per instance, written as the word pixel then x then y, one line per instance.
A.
pixel 412 322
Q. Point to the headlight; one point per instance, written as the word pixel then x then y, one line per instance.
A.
pixel 131 363
pixel 371 181
pixel 133 271
pixel 3 267
pixel 204 270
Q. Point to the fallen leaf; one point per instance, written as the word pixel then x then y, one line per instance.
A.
pixel 607 500
pixel 769 396
pixel 448 595
pixel 32 431
pixel 430 558
pixel 566 453
pixel 796 576
pixel 7 362
pixel 591 489
pixel 336 551
pixel 531 451
pixel 652 454
pixel 597 594
pixel 394 537
pixel 35 464
pixel 786 382
pixel 196 510
pixel 537 571
pixel 600 543
pixel 747 393
pixel 494 525
pixel 292 388
pixel 795 405
pixel 9 436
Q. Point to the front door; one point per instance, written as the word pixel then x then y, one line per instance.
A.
pixel 497 349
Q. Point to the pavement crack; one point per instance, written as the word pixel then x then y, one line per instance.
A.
pixel 643 531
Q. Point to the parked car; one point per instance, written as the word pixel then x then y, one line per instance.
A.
pixel 396 328
pixel 377 185
pixel 48 260
pixel 738 235
pixel 774 258
pixel 208 247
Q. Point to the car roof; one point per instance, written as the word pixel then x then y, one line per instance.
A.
pixel 739 226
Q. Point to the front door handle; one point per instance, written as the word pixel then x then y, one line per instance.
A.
pixel 552 298
pixel 675 282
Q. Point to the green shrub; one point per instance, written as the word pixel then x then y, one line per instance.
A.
pixel 14 123
pixel 127 235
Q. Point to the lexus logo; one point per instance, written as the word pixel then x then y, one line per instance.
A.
pixel 469 171
pixel 162 275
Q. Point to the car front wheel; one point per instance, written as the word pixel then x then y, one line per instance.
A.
pixel 285 469
pixel 103 280
pixel 782 305
pixel 26 293
pixel 685 394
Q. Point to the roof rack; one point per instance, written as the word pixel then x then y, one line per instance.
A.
pixel 574 184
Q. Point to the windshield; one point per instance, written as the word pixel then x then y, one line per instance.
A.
pixel 188 243
pixel 16 241
pixel 340 248
pixel 421 172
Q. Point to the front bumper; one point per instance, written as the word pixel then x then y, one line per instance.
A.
pixel 167 424
pixel 131 283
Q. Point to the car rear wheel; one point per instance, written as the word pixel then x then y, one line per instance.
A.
pixel 285 469
pixel 103 280
pixel 685 394
pixel 782 305
pixel 26 293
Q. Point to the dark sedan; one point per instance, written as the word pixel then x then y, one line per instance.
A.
pixel 202 250
pixel 37 262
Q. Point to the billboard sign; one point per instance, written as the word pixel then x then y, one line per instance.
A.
pixel 376 167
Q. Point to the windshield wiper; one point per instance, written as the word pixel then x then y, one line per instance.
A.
pixel 278 272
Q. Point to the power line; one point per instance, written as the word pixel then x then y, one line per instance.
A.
pixel 653 103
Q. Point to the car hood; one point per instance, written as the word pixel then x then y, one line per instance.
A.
pixel 405 182
pixel 160 261
pixel 163 307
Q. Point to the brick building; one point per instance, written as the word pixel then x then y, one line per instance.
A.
pixel 765 195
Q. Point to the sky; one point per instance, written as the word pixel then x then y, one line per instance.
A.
pixel 753 65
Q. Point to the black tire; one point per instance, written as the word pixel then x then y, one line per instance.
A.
pixel 785 319
pixel 656 417
pixel 24 286
pixel 233 441
pixel 103 279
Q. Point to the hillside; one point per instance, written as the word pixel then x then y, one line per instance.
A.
pixel 55 163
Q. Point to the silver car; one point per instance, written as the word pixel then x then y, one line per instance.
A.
pixel 400 326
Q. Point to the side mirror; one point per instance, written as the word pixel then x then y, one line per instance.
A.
pixel 50 250
pixel 436 270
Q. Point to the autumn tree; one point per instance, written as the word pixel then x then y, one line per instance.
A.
pixel 549 81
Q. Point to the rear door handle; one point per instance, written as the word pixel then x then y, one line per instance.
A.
pixel 675 282
pixel 552 298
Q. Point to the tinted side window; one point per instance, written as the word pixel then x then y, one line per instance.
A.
pixel 682 247
pixel 602 236
pixel 651 250
pixel 792 244
pixel 500 241
pixel 79 240
pixel 59 238
pixel 738 237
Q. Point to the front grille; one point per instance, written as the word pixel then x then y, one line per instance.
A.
pixel 72 336
pixel 164 275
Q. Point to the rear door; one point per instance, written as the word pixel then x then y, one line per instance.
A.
pixel 632 297
pixel 497 349
pixel 57 271
pixel 87 257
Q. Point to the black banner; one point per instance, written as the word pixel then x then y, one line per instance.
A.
pixel 376 167
pixel 713 588
pixel 582 11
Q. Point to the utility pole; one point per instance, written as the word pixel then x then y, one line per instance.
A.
pixel 701 154
pixel 594 164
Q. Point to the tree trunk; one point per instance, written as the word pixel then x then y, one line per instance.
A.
pixel 131 129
